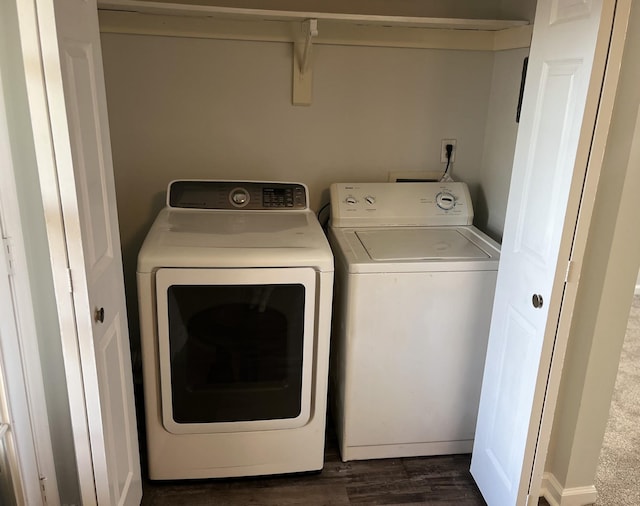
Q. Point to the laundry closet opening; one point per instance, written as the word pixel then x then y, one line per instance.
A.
pixel 185 102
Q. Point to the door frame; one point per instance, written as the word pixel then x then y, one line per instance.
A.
pixel 25 385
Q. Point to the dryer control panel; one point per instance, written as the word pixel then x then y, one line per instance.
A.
pixel 237 195
pixel 400 204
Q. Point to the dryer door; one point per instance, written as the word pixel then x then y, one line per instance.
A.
pixel 236 348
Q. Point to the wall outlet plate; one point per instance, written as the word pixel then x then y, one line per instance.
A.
pixel 443 150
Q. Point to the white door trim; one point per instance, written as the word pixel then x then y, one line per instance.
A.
pixel 556 495
pixel 34 448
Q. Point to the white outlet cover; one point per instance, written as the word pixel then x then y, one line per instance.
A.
pixel 443 150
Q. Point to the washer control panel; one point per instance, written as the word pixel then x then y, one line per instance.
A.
pixel 400 204
pixel 241 195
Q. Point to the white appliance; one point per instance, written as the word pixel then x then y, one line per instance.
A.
pixel 235 283
pixel 414 291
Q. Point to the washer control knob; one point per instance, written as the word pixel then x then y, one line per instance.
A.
pixel 351 200
pixel 370 200
pixel 239 197
pixel 445 200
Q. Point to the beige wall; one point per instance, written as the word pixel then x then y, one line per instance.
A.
pixel 490 202
pixel 193 108
pixel 207 108
pixel 518 9
pixel 606 286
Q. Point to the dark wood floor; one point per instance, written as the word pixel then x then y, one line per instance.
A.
pixel 439 480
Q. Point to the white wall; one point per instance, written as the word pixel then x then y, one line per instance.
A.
pixel 194 108
pixel 32 217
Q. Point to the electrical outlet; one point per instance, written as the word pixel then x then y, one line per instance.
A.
pixel 443 150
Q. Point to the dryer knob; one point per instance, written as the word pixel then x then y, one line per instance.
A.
pixel 239 197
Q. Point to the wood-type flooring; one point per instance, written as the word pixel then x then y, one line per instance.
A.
pixel 441 480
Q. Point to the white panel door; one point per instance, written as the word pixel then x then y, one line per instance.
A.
pixel 78 115
pixel 548 173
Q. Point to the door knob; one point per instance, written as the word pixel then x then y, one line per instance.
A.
pixel 99 315
pixel 537 300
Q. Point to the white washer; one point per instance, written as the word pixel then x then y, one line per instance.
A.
pixel 235 284
pixel 414 292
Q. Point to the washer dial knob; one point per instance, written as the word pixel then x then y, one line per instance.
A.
pixel 351 200
pixel 239 197
pixel 369 199
pixel 445 200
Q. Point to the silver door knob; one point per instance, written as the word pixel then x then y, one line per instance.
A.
pixel 537 300
pixel 99 315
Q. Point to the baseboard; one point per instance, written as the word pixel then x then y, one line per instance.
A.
pixel 558 496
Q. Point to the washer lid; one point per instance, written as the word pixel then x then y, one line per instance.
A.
pixel 419 244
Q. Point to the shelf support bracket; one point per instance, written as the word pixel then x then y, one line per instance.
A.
pixel 302 71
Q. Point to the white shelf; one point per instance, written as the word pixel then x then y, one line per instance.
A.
pixel 201 8
pixel 157 21
pixel 200 20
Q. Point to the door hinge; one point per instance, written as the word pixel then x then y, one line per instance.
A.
pixel 69 280
pixel 8 251
pixel 43 489
pixel 569 275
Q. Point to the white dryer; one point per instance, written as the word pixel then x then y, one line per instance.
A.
pixel 235 284
pixel 414 292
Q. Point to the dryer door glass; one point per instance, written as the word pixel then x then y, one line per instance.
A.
pixel 235 352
